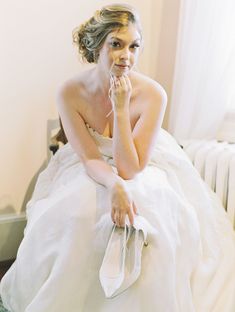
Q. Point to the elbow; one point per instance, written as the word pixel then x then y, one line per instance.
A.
pixel 128 174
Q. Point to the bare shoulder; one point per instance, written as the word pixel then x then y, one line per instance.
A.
pixel 149 89
pixel 72 91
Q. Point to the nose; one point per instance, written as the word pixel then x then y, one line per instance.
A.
pixel 125 54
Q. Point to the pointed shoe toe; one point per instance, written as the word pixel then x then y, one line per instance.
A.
pixel 111 272
pixel 138 239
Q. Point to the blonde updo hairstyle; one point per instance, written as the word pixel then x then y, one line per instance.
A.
pixel 90 36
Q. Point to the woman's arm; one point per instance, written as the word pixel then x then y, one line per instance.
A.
pixel 132 149
pixel 81 141
pixel 125 154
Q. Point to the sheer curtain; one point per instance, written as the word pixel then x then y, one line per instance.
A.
pixel 204 77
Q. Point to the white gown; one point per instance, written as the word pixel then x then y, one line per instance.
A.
pixel 188 265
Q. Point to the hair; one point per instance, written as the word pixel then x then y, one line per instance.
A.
pixel 90 36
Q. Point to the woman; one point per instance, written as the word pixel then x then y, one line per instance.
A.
pixel 118 163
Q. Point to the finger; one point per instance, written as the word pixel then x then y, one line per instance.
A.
pixel 123 81
pixel 116 82
pixel 122 220
pixel 120 82
pixel 113 216
pixel 134 208
pixel 117 219
pixel 130 216
pixel 128 82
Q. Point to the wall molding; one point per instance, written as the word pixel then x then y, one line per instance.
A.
pixel 11 234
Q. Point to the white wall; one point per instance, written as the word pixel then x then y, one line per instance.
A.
pixel 36 55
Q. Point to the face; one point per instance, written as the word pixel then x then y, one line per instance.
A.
pixel 120 50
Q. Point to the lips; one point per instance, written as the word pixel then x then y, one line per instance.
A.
pixel 122 66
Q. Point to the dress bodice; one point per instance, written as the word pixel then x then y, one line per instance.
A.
pixel 104 143
pixel 166 149
pixel 165 146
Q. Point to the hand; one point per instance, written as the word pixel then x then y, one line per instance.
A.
pixel 120 92
pixel 122 205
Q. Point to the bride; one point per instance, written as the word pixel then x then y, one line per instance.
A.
pixel 120 164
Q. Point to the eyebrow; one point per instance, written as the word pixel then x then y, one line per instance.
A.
pixel 137 39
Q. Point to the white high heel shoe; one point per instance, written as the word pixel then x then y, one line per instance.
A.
pixel 111 272
pixel 138 239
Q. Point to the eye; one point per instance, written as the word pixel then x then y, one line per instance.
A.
pixel 115 44
pixel 135 46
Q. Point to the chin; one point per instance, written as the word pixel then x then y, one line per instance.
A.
pixel 121 72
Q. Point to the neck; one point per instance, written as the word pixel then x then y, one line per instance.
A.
pixel 101 82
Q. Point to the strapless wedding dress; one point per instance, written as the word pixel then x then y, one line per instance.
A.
pixel 188 265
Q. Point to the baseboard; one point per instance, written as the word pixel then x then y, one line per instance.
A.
pixel 11 234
